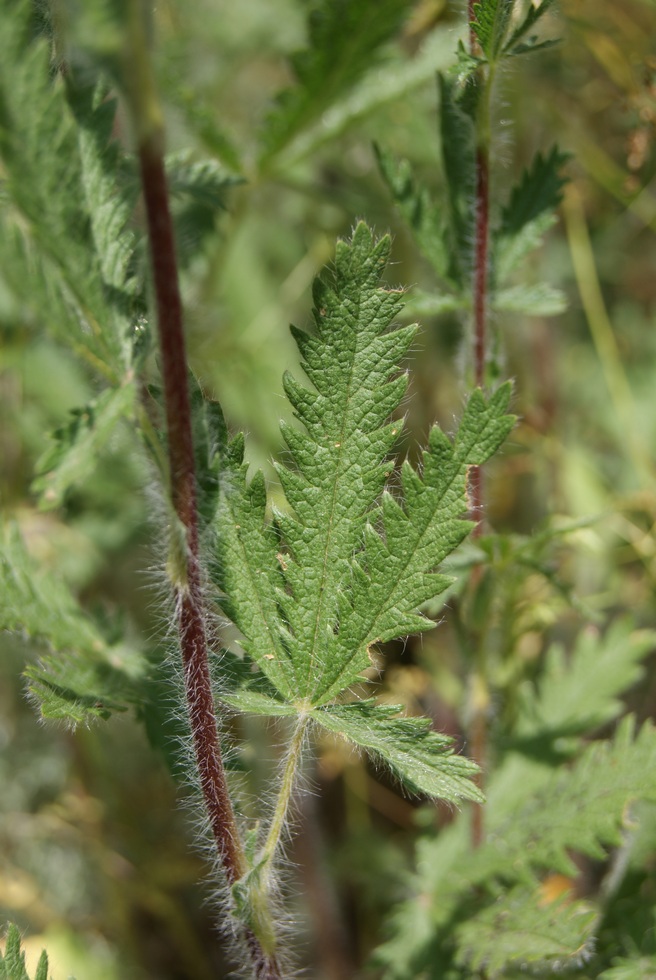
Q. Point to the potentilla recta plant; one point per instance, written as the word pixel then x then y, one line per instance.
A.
pixel 312 580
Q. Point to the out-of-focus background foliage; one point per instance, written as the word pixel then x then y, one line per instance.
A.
pixel 96 856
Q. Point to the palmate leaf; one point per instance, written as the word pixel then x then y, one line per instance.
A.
pixel 345 36
pixel 514 44
pixel 12 962
pixel 82 677
pixel 344 569
pixel 308 597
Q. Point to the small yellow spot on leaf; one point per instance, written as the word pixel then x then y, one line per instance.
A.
pixel 553 887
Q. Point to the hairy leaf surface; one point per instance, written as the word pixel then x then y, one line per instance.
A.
pixel 344 568
pixel 420 758
pixel 490 23
pixel 344 38
pixel 83 676
pixel 12 962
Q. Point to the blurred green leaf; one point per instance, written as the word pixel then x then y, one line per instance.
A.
pixel 345 36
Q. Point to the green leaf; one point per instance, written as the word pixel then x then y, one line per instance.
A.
pixel 538 300
pixel 345 36
pixel 396 572
pixel 539 192
pixel 373 90
pixel 83 677
pixel 285 599
pixel 510 251
pixel 458 137
pixel 12 963
pixel 490 23
pixel 69 194
pixel 74 456
pixel 577 811
pixel 635 968
pixel 422 304
pixel 199 191
pixel 533 15
pixel 519 929
pixel 254 703
pixel 423 216
pixel 580 693
pixel 313 592
pixel 421 759
pixel 534 44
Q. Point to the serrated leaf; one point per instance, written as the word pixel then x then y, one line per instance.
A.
pixel 536 820
pixel 458 138
pixel 592 799
pixel 421 759
pixel 533 44
pixel 518 929
pixel 309 599
pixel 396 572
pixel 511 250
pixel 68 194
pixel 377 88
pixel 533 15
pixel 490 23
pixel 199 190
pixel 339 473
pixel 210 438
pixel 420 212
pixel 538 192
pixel 345 37
pixel 538 300
pixel 580 693
pixel 12 963
pixel 77 445
pixel 83 677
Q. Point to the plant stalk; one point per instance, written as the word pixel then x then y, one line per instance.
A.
pixel 187 582
pixel 480 694
pixel 285 793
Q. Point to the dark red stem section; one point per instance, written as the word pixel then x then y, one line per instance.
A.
pixel 189 600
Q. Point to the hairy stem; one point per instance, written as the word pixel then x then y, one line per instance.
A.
pixel 287 782
pixel 479 697
pixel 190 611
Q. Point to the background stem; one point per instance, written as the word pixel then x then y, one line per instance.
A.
pixel 479 688
pixel 188 580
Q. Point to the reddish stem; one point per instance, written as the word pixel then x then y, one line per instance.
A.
pixel 471 17
pixel 190 607
pixel 481 263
